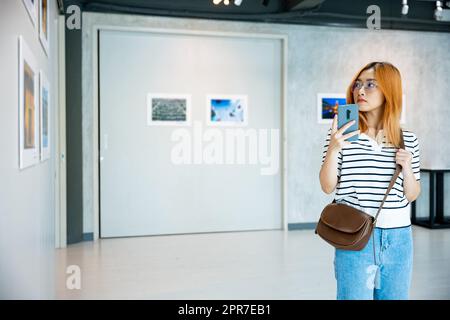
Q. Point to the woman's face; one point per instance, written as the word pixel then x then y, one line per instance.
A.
pixel 366 92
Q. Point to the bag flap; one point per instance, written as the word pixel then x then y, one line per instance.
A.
pixel 344 218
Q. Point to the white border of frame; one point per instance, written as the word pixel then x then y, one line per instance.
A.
pixel 226 96
pixel 43 83
pixel 31 9
pixel 29 157
pixel 151 122
pixel 320 96
pixel 44 41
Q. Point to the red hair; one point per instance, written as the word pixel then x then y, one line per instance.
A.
pixel 390 83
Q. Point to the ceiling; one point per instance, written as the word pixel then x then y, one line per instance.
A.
pixel 343 13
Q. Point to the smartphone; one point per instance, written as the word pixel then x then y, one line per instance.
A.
pixel 347 113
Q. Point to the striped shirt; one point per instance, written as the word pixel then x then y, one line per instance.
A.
pixel 365 168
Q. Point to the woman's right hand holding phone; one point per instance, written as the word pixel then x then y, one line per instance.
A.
pixel 337 137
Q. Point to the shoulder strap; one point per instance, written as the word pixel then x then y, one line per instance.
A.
pixel 394 178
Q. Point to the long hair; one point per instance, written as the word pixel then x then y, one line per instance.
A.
pixel 390 83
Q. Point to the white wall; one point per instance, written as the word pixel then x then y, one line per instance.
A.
pixel 320 59
pixel 27 241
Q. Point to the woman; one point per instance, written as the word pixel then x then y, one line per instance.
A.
pixel 360 172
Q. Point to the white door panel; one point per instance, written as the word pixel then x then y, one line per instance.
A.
pixel 142 192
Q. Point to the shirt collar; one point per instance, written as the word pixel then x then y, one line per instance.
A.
pixel 377 144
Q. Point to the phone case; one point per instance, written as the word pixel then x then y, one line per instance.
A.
pixel 347 113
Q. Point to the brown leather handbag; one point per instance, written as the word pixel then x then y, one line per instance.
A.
pixel 347 228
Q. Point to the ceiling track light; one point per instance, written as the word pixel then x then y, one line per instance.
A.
pixel 438 11
pixel 405 7
pixel 227 2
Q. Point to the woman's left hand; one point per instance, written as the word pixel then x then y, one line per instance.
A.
pixel 404 158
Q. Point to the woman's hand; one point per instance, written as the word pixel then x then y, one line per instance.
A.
pixel 411 187
pixel 404 158
pixel 337 139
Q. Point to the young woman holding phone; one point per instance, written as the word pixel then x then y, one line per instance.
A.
pixel 360 172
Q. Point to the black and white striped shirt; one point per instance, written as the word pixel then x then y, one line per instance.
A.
pixel 365 168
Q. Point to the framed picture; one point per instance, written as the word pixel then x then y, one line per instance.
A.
pixel 327 104
pixel 28 107
pixel 31 8
pixel 226 110
pixel 168 109
pixel 44 89
pixel 44 24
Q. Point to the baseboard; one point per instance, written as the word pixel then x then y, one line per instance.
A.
pixel 89 236
pixel 302 226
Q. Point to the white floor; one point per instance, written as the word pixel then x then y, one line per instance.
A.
pixel 236 265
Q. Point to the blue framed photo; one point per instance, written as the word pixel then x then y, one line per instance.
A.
pixel 327 104
pixel 227 110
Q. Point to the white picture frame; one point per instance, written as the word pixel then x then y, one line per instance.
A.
pixel 44 112
pixel 31 6
pixel 44 30
pixel 234 106
pixel 28 107
pixel 168 109
pixel 322 99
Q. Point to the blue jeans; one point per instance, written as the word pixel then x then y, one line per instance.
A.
pixel 389 278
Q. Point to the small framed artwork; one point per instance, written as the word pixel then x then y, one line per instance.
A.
pixel 168 109
pixel 44 116
pixel 31 8
pixel 227 110
pixel 44 24
pixel 28 107
pixel 327 104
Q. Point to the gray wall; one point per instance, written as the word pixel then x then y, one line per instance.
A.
pixel 320 59
pixel 27 241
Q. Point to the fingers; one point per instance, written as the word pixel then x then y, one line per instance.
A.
pixel 403 151
pixel 351 134
pixel 345 127
pixel 403 158
pixel 334 125
pixel 345 143
pixel 403 154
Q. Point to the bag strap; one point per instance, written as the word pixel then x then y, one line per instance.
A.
pixel 398 169
pixel 391 184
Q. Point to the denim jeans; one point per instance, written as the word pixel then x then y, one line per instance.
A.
pixel 389 278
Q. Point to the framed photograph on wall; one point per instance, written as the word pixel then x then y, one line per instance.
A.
pixel 168 109
pixel 44 111
pixel 226 110
pixel 28 107
pixel 44 24
pixel 31 6
pixel 327 104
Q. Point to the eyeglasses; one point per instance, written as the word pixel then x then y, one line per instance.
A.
pixel 369 85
